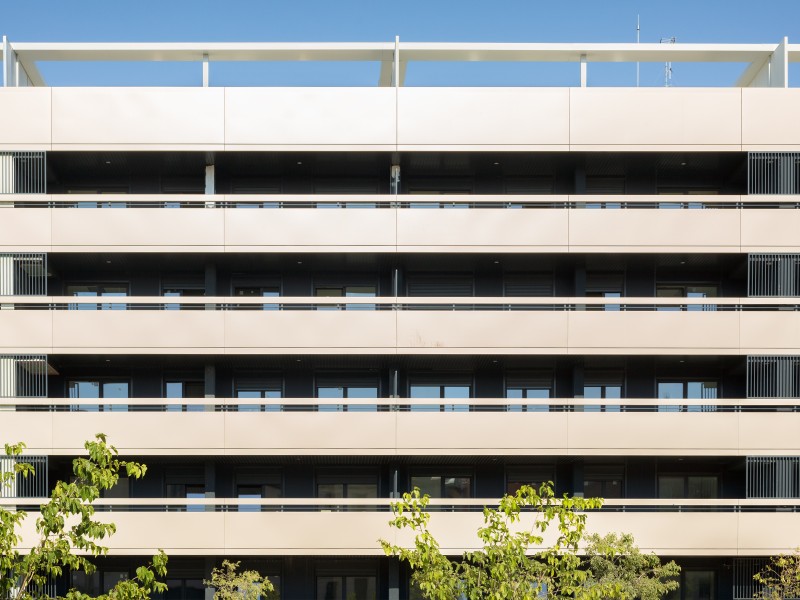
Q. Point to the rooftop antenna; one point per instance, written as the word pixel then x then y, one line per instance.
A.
pixel 668 64
pixel 637 41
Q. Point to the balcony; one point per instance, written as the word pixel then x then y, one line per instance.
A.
pixel 387 223
pixel 312 526
pixel 406 427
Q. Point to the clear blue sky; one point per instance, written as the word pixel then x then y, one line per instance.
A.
pixel 413 20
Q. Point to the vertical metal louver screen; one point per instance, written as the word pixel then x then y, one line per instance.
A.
pixel 33 486
pixel 744 588
pixel 773 173
pixel 23 274
pixel 23 376
pixel 773 376
pixel 773 275
pixel 23 173
pixel 773 476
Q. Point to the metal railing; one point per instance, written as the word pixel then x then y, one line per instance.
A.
pixel 773 275
pixel 397 201
pixel 773 477
pixel 32 486
pixel 23 274
pixel 23 375
pixel 403 405
pixel 744 588
pixel 773 173
pixel 773 376
pixel 401 303
pixel 23 173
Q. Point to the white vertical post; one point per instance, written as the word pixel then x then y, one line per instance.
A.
pixel 6 62
pixel 397 61
pixel 205 70
pixel 583 70
pixel 8 377
pixel 6 173
pixel 211 185
pixel 9 489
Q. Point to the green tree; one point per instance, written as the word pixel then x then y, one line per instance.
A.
pixel 505 568
pixel 68 535
pixel 230 584
pixel 780 577
pixel 615 559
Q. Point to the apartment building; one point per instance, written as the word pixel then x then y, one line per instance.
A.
pixel 295 304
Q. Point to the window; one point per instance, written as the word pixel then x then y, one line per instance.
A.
pixel 528 285
pixel 352 587
pixel 184 388
pixel 183 291
pixel 680 290
pixel 270 291
pixel 185 589
pixel 97 289
pixel 603 384
pixel 605 285
pixel 342 385
pixel 254 485
pixel 98 388
pixel 436 387
pixel 529 386
pixel 196 491
pixel 682 485
pixel 345 291
pixel 688 389
pixel 696 584
pixel 439 285
pixel 603 481
pixel 443 486
pixel 533 476
pixel 349 485
pixel 258 388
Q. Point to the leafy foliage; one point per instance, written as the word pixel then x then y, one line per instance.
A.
pixel 230 584
pixel 68 535
pixel 504 569
pixel 780 577
pixel 615 559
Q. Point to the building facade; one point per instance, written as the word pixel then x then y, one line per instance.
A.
pixel 295 304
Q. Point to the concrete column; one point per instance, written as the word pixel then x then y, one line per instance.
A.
pixel 394 179
pixel 394 579
pixel 210 482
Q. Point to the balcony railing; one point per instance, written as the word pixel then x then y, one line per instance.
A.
pixel 392 201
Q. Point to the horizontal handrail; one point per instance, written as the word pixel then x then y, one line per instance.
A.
pixel 410 404
pixel 384 504
pixel 396 201
pixel 228 303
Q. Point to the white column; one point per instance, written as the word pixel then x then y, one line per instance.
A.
pixel 210 187
pixel 8 376
pixel 6 279
pixel 583 70
pixel 9 490
pixel 6 173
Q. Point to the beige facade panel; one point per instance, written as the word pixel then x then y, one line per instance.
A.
pixel 304 228
pixel 353 331
pixel 650 229
pixel 772 332
pixel 25 118
pixel 317 117
pixel 450 118
pixel 485 332
pixel 25 229
pixel 334 533
pixel 23 331
pixel 471 229
pixel 145 118
pixel 404 433
pixel 138 331
pixel 350 331
pixel 656 118
pixel 770 230
pixel 700 332
pixel 139 227
pixel 769 119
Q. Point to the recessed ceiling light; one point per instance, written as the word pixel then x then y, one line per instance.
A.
pixel 299 162
pixel 299 262
pixel 108 162
pixel 108 262
pixel 496 164
pixel 108 360
pixel 683 164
